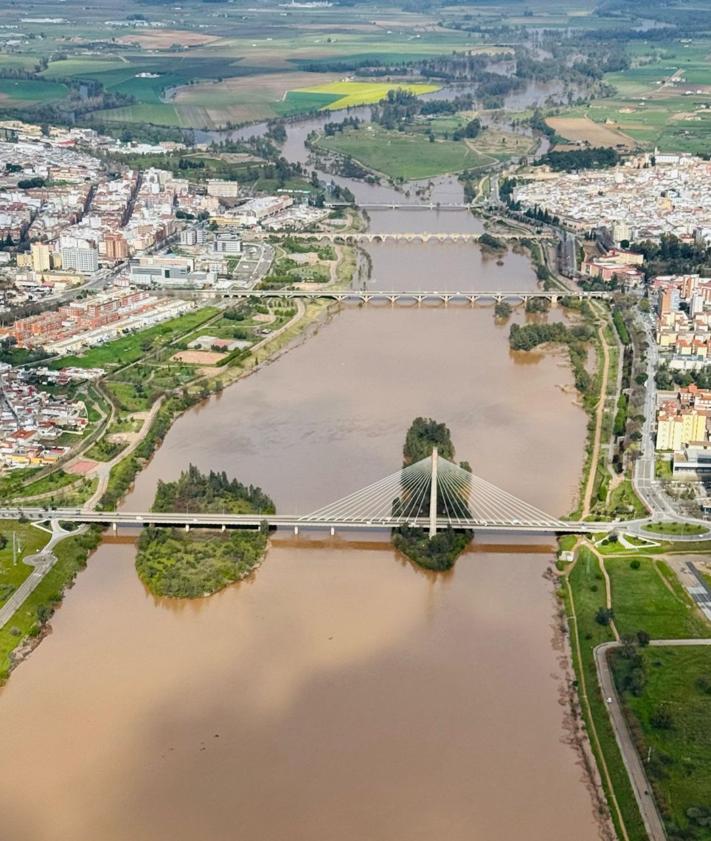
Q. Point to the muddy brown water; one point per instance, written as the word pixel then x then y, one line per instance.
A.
pixel 339 693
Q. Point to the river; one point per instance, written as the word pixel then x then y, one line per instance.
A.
pixel 339 693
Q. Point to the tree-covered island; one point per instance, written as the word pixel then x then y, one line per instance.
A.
pixel 191 564
pixel 440 552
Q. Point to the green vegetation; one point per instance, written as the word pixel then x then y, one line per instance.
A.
pixel 403 156
pixel 621 327
pixel 422 437
pixel 667 696
pixel 590 158
pixel 134 346
pixel 584 595
pixel 646 595
pixel 28 539
pixel 198 563
pixel 439 552
pixel 675 528
pixel 28 622
pixel 502 310
pixel 488 242
pixel 532 335
pixel 648 602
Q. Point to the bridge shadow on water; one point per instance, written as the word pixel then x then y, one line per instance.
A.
pixel 528 546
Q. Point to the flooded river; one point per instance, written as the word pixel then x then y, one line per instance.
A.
pixel 339 694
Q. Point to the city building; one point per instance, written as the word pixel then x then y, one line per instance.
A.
pixel 79 255
pixel 227 244
pixel 40 257
pixel 677 426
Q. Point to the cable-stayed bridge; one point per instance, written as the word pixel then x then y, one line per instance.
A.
pixel 433 494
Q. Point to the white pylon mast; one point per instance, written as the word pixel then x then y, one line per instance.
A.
pixel 433 494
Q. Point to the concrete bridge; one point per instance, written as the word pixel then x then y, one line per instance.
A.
pixel 416 237
pixel 139 519
pixel 367 296
pixel 403 205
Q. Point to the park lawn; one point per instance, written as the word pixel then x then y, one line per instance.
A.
pixel 30 540
pixel 679 758
pixel 352 94
pixel 651 599
pixel 404 156
pixel 132 347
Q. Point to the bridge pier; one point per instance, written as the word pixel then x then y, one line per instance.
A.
pixel 296 530
pixel 333 531
pixel 114 527
pixel 187 527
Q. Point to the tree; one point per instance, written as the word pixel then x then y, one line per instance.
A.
pixel 662 718
pixel 604 615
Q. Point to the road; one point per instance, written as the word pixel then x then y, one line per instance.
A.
pixel 644 474
pixel 42 561
pixel 631 758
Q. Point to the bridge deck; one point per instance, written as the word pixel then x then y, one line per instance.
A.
pixel 219 520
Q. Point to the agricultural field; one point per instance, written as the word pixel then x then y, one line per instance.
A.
pixel 663 100
pixel 210 67
pixel 243 99
pixel 349 94
pixel 18 92
pixel 585 130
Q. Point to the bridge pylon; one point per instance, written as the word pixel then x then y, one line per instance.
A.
pixel 433 492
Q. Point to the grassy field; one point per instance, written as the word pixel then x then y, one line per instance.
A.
pixel 649 598
pixel 348 94
pixel 404 156
pixel 30 91
pixel 29 540
pixel 132 347
pixel 678 681
pixel 584 594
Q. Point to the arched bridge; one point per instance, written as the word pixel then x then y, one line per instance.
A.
pixel 355 237
pixel 433 494
pixel 366 296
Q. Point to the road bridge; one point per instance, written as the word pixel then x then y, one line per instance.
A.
pixel 432 494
